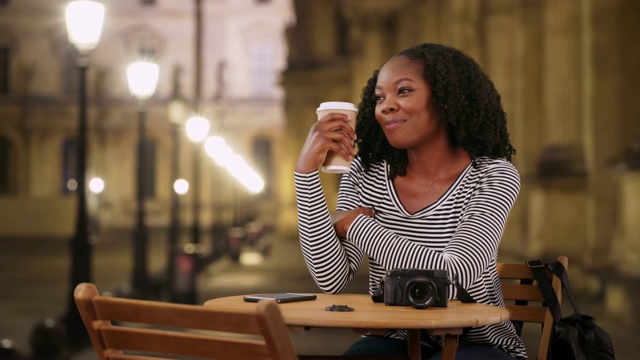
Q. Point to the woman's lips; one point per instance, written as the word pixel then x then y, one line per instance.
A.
pixel 393 124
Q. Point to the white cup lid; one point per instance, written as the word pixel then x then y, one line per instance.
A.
pixel 337 105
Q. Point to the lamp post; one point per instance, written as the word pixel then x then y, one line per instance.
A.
pixel 177 111
pixel 84 26
pixel 143 78
pixel 197 128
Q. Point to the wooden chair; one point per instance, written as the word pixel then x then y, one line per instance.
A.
pixel 138 329
pixel 524 299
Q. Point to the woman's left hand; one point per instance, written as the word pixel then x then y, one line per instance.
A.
pixel 342 220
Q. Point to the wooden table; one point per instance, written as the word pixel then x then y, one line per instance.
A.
pixel 370 317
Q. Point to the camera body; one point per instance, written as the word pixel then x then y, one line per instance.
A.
pixel 416 287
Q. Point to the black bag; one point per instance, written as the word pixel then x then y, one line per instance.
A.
pixel 575 337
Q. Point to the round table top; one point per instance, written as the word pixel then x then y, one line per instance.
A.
pixel 370 315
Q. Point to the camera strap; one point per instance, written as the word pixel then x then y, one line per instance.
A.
pixel 463 295
pixel 378 296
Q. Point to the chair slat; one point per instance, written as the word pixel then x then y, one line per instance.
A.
pixel 526 313
pixel 514 271
pixel 176 315
pixel 522 292
pixel 182 343
pixel 133 357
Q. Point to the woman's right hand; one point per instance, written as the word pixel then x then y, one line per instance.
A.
pixel 324 136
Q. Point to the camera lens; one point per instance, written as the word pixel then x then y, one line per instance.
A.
pixel 421 292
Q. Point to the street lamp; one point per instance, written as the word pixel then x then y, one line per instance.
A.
pixel 96 185
pixel 197 128
pixel 180 186
pixel 84 26
pixel 143 78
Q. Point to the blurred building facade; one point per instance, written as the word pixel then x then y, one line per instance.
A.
pixel 243 53
pixel 567 74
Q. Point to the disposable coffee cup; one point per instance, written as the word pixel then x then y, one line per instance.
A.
pixel 335 163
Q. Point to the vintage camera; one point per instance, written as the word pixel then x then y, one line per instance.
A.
pixel 416 287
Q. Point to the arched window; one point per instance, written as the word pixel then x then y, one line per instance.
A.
pixel 263 160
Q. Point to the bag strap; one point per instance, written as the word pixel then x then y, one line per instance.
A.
pixel 558 269
pixel 537 267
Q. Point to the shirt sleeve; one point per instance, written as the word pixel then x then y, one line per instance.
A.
pixel 332 262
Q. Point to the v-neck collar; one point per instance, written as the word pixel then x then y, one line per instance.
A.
pixel 398 204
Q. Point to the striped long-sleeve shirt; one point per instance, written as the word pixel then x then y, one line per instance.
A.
pixel 459 232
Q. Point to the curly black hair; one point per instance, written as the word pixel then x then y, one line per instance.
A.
pixel 461 93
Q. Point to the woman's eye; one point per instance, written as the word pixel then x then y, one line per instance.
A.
pixel 378 98
pixel 403 91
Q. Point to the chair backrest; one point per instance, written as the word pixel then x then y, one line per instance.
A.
pixel 524 299
pixel 134 329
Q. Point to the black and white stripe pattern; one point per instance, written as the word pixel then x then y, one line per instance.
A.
pixel 460 232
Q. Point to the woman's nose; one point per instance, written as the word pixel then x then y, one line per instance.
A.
pixel 388 106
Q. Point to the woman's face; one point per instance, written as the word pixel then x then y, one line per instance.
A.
pixel 403 105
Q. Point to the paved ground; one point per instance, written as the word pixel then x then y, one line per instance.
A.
pixel 34 283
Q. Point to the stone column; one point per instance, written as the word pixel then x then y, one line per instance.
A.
pixel 602 92
pixel 562 72
pixel 621 290
pixel 558 197
pixel 626 243
pixel 504 44
pixel 526 119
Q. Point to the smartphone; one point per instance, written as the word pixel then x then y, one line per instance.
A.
pixel 280 297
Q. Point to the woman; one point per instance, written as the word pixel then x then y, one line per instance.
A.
pixel 431 188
